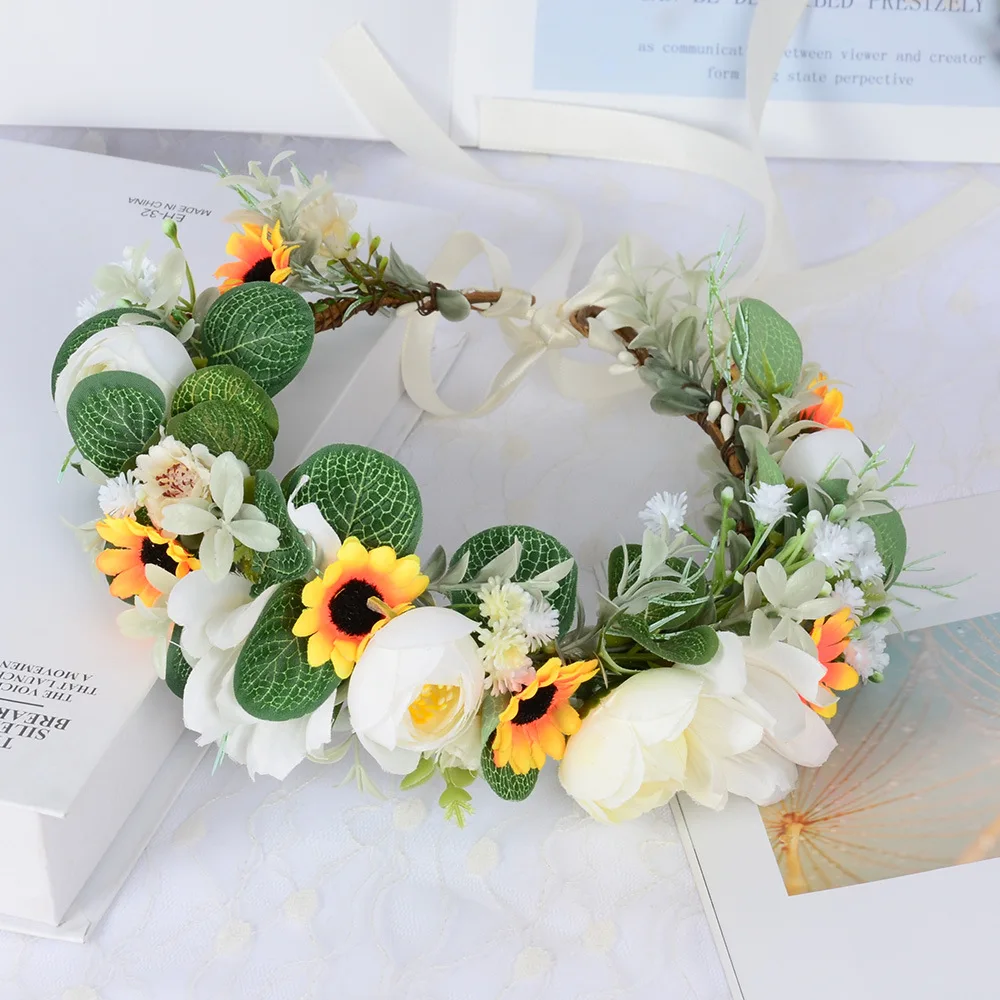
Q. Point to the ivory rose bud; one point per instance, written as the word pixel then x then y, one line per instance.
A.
pixel 141 348
pixel 810 455
pixel 417 687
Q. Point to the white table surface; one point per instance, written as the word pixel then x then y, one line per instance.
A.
pixel 310 889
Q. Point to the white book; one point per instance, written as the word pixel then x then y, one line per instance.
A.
pixel 868 79
pixel 878 876
pixel 92 747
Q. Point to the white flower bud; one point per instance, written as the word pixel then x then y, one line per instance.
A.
pixel 727 494
pixel 714 409
pixel 813 519
pixel 727 426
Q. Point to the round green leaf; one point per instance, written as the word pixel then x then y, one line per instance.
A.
pixel 364 493
pixel 265 329
pixel 94 324
pixel 694 645
pixel 273 679
pixel 539 552
pixel 112 416
pixel 225 426
pixel 292 559
pixel 767 348
pixel 508 785
pixel 178 668
pixel 890 541
pixel 231 385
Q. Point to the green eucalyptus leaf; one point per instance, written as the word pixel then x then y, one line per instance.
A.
pixel 112 416
pixel 768 470
pixel 508 785
pixel 539 552
pixel 223 426
pixel 291 560
pixel 364 493
pixel 398 272
pixel 230 385
pixel 766 348
pixel 178 668
pixel 890 541
pixel 263 328
pixel 94 324
pixel 694 645
pixel 273 679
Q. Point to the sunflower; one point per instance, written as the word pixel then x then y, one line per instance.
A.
pixel 537 719
pixel 827 410
pixel 337 617
pixel 832 636
pixel 263 256
pixel 137 546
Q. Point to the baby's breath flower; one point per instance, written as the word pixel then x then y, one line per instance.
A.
pixel 664 513
pixel 505 656
pixel 540 624
pixel 503 602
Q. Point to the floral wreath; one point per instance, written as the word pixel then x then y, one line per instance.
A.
pixel 295 619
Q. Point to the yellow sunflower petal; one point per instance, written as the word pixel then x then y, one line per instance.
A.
pixel 353 554
pixel 501 755
pixel 280 274
pixel 520 756
pixel 382 559
pixel 567 718
pixel 306 623
pixel 537 754
pixel 826 711
pixel 111 562
pixel 319 649
pixel 129 583
pixel 342 665
pixel 115 530
pixel 550 739
pixel 314 593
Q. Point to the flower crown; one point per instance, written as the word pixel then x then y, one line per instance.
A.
pixel 295 619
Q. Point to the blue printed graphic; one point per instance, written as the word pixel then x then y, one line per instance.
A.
pixel 927 52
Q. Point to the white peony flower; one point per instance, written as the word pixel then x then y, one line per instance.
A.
pixel 236 521
pixel 217 618
pixel 146 350
pixel 417 687
pixel 502 602
pixel 663 730
pixel 505 657
pixel 121 496
pixel 866 651
pixel 833 453
pixel 664 513
pixel 171 471
pixel 769 502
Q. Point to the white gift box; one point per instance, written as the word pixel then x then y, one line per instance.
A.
pixel 92 746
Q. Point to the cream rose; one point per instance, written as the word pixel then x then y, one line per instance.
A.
pixel 146 350
pixel 809 456
pixel 417 688
pixel 662 731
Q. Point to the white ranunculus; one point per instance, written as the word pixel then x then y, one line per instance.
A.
pixel 217 618
pixel 417 687
pixel 146 350
pixel 662 731
pixel 171 471
pixel 833 453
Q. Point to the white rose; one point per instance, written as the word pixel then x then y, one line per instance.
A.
pixel 417 687
pixel 217 618
pixel 662 731
pixel 810 455
pixel 143 349
pixel 778 677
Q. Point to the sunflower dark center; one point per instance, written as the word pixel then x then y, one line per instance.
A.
pixel 533 708
pixel 153 554
pixel 349 609
pixel 261 271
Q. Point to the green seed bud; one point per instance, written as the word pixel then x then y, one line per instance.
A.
pixel 170 229
pixel 880 615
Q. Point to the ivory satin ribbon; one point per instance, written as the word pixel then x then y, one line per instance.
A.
pixel 534 332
